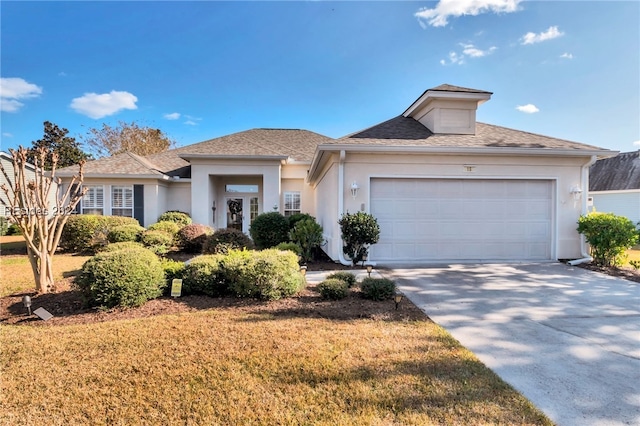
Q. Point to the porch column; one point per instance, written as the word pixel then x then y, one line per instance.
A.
pixel 200 196
pixel 271 189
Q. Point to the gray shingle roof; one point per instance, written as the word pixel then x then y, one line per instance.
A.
pixel 297 144
pixel 406 131
pixel 452 88
pixel 616 173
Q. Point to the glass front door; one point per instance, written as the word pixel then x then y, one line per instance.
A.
pixel 235 213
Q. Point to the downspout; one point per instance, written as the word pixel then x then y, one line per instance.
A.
pixel 343 155
pixel 585 191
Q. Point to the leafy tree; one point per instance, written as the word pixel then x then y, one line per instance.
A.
pixel 359 231
pixel 27 204
pixel 129 137
pixel 55 140
pixel 608 235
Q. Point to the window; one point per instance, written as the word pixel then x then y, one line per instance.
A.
pixel 253 208
pixel 93 200
pixel 241 188
pixel 122 201
pixel 291 203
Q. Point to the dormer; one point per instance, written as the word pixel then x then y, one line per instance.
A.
pixel 448 109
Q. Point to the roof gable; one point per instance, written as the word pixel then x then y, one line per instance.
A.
pixel 616 173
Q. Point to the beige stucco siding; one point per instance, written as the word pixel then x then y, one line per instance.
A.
pixel 564 172
pixel 178 197
pixel 326 200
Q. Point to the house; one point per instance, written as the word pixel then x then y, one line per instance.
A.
pixel 614 185
pixel 30 170
pixel 442 186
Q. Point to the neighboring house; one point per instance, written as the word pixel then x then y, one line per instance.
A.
pixel 443 187
pixel 30 169
pixel 614 185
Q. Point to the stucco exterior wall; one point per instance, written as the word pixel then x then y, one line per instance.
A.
pixel 178 197
pixel 326 201
pixel 621 203
pixel 565 172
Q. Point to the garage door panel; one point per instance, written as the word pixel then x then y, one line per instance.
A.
pixel 458 219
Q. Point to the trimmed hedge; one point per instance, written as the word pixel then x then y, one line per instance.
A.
pixel 85 233
pixel 123 233
pixel 378 288
pixel 269 229
pixel 192 237
pixel 268 274
pixel 127 278
pixel 205 275
pixel 181 218
pixel 120 246
pixel 157 241
pixel 347 277
pixel 225 239
pixel 333 289
pixel 289 246
pixel 171 228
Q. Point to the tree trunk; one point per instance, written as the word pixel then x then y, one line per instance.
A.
pixel 42 267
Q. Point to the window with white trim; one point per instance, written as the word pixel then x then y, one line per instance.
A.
pixel 291 203
pixel 122 201
pixel 93 200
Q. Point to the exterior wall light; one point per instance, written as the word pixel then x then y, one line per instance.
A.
pixel 369 269
pixel 354 189
pixel 576 192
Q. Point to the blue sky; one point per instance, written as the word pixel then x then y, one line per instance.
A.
pixel 199 70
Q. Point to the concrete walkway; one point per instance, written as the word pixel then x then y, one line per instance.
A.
pixel 566 338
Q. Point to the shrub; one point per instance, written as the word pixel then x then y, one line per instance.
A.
pixel 172 269
pixel 297 217
pixel 223 240
pixel 378 288
pixel 14 230
pixel 171 228
pixel 635 264
pixel 157 241
pixel 269 229
pixel 120 246
pixel 127 277
pixel 205 275
pixel 347 277
pixel 122 233
pixel 308 235
pixel 333 289
pixel 4 226
pixel 87 232
pixel 359 231
pixel 289 246
pixel 269 274
pixel 181 218
pixel 191 238
pixel 609 236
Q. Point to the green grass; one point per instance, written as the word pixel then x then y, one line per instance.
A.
pixel 234 367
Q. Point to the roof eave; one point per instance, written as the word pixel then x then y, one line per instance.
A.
pixel 188 156
pixel 115 176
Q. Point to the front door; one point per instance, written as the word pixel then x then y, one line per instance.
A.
pixel 235 213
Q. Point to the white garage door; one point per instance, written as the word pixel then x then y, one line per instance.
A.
pixel 461 219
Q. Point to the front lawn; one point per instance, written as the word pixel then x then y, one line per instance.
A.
pixel 250 365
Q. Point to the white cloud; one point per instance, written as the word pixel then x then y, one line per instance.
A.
pixel 7 135
pixel 474 52
pixel 439 16
pixel 637 143
pixel 567 55
pixel 191 123
pixel 172 116
pixel 12 89
pixel 97 106
pixel 468 51
pixel 528 108
pixel 551 33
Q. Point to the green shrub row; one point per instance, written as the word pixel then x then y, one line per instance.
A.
pixel 127 277
pixel 180 218
pixel 269 274
pixel 225 239
pixel 87 232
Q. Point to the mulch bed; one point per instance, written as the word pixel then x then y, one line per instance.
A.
pixel 626 273
pixel 67 307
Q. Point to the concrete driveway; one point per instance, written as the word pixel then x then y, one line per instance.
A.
pixel 566 338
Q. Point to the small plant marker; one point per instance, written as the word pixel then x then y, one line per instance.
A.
pixel 43 314
pixel 176 287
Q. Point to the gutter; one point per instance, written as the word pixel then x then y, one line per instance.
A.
pixel 585 191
